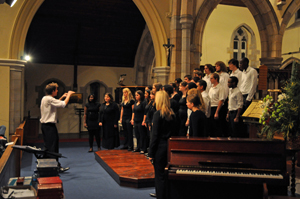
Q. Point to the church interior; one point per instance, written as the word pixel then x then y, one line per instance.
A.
pixel 88 46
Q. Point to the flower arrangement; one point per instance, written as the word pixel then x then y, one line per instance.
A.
pixel 283 116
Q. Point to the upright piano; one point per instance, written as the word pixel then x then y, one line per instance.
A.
pixel 226 168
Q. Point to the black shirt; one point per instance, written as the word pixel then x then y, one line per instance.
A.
pixel 197 124
pixel 127 109
pixel 139 111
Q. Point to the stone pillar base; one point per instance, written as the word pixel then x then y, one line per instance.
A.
pixel 161 74
pixel 271 62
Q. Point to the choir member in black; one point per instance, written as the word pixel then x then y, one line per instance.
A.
pixel 91 120
pixel 147 95
pixel 175 95
pixel 174 103
pixel 182 112
pixel 125 117
pixel 177 82
pixel 148 115
pixel 109 117
pixel 137 119
pixel 156 87
pixel 197 118
pixel 163 126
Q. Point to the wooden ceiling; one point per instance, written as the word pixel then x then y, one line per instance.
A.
pixel 88 32
pixel 85 32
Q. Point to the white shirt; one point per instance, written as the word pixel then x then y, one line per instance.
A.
pixel 238 74
pixel 235 99
pixel 216 94
pixel 207 104
pixel 208 82
pixel 48 109
pixel 249 82
pixel 223 80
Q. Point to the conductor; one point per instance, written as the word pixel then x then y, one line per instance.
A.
pixel 49 118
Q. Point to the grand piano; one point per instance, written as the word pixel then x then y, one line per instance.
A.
pixel 225 168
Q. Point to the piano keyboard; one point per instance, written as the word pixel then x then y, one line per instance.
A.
pixel 229 174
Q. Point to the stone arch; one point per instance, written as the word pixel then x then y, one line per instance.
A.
pixel 288 62
pixel 264 16
pixel 21 26
pixel 156 28
pixel 288 14
pixel 85 94
pixel 144 59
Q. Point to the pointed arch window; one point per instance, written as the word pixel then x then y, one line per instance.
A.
pixel 240 44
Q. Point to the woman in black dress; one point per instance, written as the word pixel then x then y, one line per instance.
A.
pixel 182 113
pixel 137 119
pixel 109 117
pixel 163 126
pixel 175 95
pixel 125 117
pixel 91 118
pixel 197 118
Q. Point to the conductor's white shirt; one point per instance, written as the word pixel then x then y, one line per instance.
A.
pixel 48 109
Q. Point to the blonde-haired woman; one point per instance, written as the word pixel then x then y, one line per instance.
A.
pixel 125 117
pixel 163 127
pixel 194 91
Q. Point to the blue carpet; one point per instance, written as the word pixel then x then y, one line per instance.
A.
pixel 86 178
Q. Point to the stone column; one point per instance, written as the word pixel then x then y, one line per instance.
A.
pixel 186 21
pixel 175 38
pixel 271 62
pixel 161 74
pixel 16 86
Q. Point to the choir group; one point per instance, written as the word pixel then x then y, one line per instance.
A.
pixel 208 104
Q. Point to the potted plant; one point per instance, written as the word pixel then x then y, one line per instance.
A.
pixel 283 116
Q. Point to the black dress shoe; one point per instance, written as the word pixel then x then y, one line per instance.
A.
pixel 136 150
pixel 61 169
pixel 130 149
pixel 153 195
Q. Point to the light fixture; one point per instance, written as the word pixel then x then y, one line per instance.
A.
pixel 11 3
pixel 27 58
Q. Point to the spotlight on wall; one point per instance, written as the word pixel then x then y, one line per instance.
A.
pixel 11 3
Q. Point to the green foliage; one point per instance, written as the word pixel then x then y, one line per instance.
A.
pixel 283 116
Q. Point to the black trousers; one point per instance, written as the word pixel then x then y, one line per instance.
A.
pixel 94 133
pixel 128 133
pixel 215 124
pixel 51 139
pixel 236 128
pixel 160 162
pixel 141 136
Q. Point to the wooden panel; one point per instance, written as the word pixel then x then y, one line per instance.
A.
pixel 263 78
pixel 127 168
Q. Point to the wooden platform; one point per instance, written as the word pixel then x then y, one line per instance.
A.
pixel 127 168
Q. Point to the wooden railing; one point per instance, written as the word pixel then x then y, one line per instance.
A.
pixel 10 162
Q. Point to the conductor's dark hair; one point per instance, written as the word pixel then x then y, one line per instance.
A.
pixel 50 88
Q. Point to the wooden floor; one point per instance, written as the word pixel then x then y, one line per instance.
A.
pixel 127 168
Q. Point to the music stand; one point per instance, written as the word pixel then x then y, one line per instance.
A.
pixel 39 153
